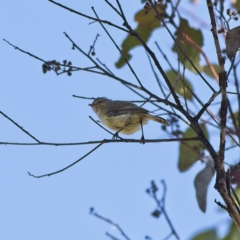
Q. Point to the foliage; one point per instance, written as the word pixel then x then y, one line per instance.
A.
pixel 191 112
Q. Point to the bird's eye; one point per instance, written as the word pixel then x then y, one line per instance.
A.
pixel 99 101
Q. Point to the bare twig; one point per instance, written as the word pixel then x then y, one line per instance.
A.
pixel 86 16
pixel 104 65
pixel 99 67
pixel 91 50
pixel 103 127
pixel 115 44
pixel 113 7
pixel 94 213
pixel 11 120
pixel 152 191
pixel 152 54
pixel 111 236
pixel 206 105
pixel 63 169
pixel 88 98
pixel 190 61
pixel 156 76
pixel 123 140
pixel 28 53
pixel 189 40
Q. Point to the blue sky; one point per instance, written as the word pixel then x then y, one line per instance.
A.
pixel 114 178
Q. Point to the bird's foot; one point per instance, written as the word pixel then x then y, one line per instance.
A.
pixel 142 140
pixel 116 136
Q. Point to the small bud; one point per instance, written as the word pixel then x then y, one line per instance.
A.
pixel 44 68
pixel 156 214
pixel 91 210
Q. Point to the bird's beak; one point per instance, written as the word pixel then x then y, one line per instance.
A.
pixel 90 105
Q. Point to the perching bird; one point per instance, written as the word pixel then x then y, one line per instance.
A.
pixel 122 116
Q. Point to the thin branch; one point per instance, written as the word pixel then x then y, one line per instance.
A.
pixel 206 105
pixel 122 13
pixel 152 191
pixel 28 53
pixel 103 127
pixel 221 205
pixel 63 169
pixel 74 68
pixel 94 213
pixel 156 105
pixel 164 192
pixel 183 74
pixel 94 42
pixel 188 39
pixel 115 44
pixel 155 60
pixel 113 7
pixel 123 140
pixel 86 16
pixel 156 76
pixel 234 93
pixel 88 98
pixel 190 61
pixel 105 66
pixel 172 68
pixel 11 120
pixel 190 90
pixel 229 132
pixel 168 236
pixel 133 101
pixel 106 73
pixel 232 64
pixel 111 236
pixel 151 53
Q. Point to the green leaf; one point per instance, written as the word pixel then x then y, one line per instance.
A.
pixel 208 71
pixel 147 23
pixel 190 151
pixel 189 49
pixel 180 88
pixel 233 233
pixel 208 235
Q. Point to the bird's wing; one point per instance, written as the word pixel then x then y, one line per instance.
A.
pixel 123 107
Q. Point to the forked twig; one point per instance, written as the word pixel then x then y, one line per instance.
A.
pixel 152 191
pixel 94 213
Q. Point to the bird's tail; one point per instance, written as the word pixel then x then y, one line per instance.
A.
pixel 158 119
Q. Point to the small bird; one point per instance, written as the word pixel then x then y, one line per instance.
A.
pixel 123 116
